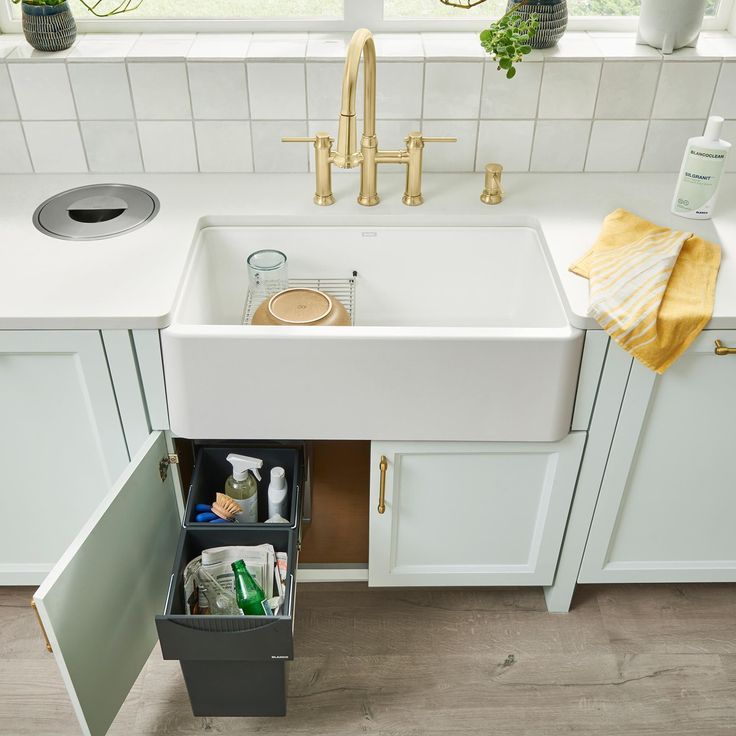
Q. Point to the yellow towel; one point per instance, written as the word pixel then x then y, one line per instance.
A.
pixel 651 288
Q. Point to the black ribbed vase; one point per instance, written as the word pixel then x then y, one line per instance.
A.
pixel 552 16
pixel 49 27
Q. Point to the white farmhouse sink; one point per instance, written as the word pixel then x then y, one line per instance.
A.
pixel 460 334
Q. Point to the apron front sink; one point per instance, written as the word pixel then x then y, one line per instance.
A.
pixel 460 333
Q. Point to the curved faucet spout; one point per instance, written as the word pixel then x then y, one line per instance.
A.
pixel 348 151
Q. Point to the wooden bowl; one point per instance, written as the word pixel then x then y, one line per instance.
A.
pixel 302 307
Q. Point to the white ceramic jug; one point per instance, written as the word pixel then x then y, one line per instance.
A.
pixel 670 24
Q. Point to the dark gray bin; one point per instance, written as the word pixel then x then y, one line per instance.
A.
pixel 211 470
pixel 232 665
pixel 236 688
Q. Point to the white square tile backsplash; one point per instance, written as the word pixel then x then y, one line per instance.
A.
pixel 616 145
pixel 218 90
pixel 458 156
pixel 160 90
pixel 101 91
pixel 666 141
pixel 168 145
pixel 560 145
pixel 569 89
pixel 324 84
pixel 14 158
pixel 724 101
pixel 8 108
pixel 399 92
pixel 507 141
pixel 55 147
pixel 511 99
pixel 685 89
pixel 277 91
pixel 270 154
pixel 627 90
pixel 221 102
pixel 452 90
pixel 112 145
pixel 224 145
pixel 43 91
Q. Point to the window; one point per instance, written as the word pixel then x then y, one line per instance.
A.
pixel 342 15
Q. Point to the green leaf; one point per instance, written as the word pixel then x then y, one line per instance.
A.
pixel 505 63
pixel 511 73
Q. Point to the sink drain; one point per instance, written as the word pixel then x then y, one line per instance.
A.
pixel 95 212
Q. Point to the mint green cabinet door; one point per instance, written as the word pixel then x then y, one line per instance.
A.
pixel 470 513
pixel 61 443
pixel 98 604
pixel 667 504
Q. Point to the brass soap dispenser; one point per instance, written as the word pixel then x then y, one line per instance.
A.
pixel 493 191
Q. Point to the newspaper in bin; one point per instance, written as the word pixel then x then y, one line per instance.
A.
pixel 213 570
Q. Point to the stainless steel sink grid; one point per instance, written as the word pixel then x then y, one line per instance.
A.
pixel 96 212
pixel 340 289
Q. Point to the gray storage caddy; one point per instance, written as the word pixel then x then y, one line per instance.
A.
pixel 233 665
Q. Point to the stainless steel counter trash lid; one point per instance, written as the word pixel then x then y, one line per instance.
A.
pixel 96 211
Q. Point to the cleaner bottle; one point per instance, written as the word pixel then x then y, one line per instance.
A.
pixel 700 175
pixel 242 486
pixel 277 492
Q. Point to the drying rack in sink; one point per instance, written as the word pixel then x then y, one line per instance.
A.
pixel 341 289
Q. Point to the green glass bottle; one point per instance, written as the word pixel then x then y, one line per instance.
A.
pixel 250 596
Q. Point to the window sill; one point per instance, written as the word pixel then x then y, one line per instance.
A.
pixel 330 47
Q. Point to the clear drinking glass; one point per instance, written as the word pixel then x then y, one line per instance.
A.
pixel 268 274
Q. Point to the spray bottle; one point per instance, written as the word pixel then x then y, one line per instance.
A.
pixel 242 486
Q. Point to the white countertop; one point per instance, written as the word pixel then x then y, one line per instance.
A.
pixel 131 281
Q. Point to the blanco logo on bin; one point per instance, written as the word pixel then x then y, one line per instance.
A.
pixel 279 656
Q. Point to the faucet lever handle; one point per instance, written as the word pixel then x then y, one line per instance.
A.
pixel 319 139
pixel 439 139
pixel 417 140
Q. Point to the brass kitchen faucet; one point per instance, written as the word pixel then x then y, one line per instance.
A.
pixel 349 154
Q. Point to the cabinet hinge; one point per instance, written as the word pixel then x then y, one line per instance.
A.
pixel 163 467
pixel 43 628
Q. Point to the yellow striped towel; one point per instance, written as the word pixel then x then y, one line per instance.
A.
pixel 651 288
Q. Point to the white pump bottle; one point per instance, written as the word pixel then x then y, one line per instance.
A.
pixel 277 492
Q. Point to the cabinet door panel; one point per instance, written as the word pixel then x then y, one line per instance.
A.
pixel 61 443
pixel 667 506
pixel 471 513
pixel 98 604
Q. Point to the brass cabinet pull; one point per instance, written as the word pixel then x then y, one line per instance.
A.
pixel 721 349
pixel 382 487
pixel 40 623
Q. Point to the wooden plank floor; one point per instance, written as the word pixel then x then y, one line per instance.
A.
pixel 635 660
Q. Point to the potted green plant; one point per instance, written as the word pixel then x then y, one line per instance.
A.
pixel 48 25
pixel 509 38
pixel 551 17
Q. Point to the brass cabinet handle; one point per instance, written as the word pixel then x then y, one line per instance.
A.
pixel 721 349
pixel 382 487
pixel 40 623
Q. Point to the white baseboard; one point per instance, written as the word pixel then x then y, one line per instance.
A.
pixel 333 574
pixel 29 574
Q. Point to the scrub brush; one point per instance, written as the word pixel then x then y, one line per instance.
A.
pixel 225 507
